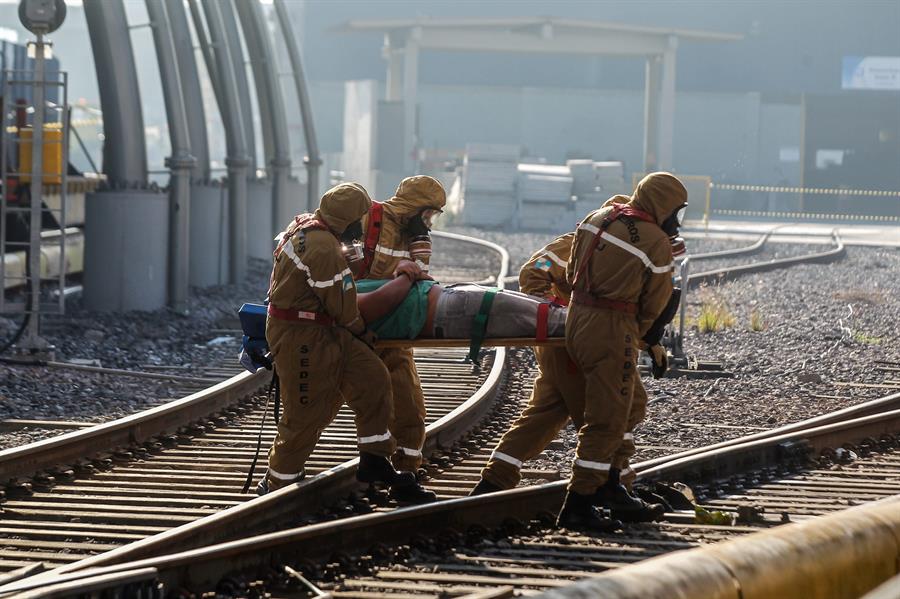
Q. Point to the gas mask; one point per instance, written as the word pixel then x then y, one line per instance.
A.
pixel 670 227
pixel 351 247
pixel 418 228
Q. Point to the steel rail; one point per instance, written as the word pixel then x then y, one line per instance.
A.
pixel 28 459
pixel 197 568
pixel 311 494
pixel 732 272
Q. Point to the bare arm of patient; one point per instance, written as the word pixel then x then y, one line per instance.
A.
pixel 384 300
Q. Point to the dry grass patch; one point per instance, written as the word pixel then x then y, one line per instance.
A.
pixel 757 322
pixel 714 316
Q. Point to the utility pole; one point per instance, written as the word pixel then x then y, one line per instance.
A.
pixel 40 17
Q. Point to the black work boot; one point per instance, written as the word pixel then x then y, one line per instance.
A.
pixel 578 513
pixel 484 486
pixel 412 493
pixel 263 487
pixel 623 505
pixel 378 469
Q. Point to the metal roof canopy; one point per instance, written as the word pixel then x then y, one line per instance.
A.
pixel 403 38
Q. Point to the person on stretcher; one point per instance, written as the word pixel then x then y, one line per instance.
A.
pixel 413 306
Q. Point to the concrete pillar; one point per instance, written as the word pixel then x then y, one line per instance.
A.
pixel 394 57
pixel 651 114
pixel 667 107
pixel 410 102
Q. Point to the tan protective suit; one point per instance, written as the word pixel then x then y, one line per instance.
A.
pixel 413 195
pixel 558 392
pixel 632 263
pixel 321 366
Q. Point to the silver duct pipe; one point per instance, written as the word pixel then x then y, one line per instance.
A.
pixel 269 93
pixel 312 160
pixel 191 91
pixel 180 163
pixel 237 159
pixel 124 147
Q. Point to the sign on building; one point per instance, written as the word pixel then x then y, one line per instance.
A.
pixel 871 72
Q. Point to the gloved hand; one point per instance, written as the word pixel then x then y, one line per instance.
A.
pixel 659 361
pixel 368 337
pixel 408 268
pixel 412 270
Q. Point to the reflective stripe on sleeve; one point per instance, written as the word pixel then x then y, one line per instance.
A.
pixel 628 437
pixel 589 227
pixel 289 250
pixel 282 476
pixel 392 252
pixel 593 465
pixel 416 453
pixel 374 438
pixel 556 258
pixel 498 455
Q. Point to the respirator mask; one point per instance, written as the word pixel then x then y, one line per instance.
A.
pixel 670 227
pixel 418 228
pixel 351 246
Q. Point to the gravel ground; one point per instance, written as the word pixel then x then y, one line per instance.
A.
pixel 783 373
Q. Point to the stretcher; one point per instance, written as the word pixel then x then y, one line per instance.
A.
pixel 255 349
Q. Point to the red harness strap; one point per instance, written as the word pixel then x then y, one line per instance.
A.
pixel 559 301
pixel 373 233
pixel 302 222
pixel 543 313
pixel 613 215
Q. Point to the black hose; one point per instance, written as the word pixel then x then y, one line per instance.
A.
pixel 17 335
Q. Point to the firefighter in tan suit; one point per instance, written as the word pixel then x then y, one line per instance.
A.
pixel 621 278
pixel 395 230
pixel 558 392
pixel 322 348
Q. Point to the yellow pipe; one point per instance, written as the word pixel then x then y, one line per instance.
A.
pixel 839 556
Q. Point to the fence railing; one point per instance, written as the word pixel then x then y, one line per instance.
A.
pixel 709 200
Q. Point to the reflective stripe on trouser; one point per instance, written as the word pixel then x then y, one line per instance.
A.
pixel 320 368
pixel 622 457
pixel 557 395
pixel 604 345
pixel 408 424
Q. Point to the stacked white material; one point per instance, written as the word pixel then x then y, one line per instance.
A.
pixel 488 184
pixel 594 182
pixel 545 197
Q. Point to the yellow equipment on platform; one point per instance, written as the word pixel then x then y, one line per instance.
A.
pixel 53 154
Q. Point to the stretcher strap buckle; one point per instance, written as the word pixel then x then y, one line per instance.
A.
pixel 479 324
pixel 587 299
pixel 300 315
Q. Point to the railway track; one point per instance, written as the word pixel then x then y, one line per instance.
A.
pixel 504 543
pixel 164 475
pixel 451 474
